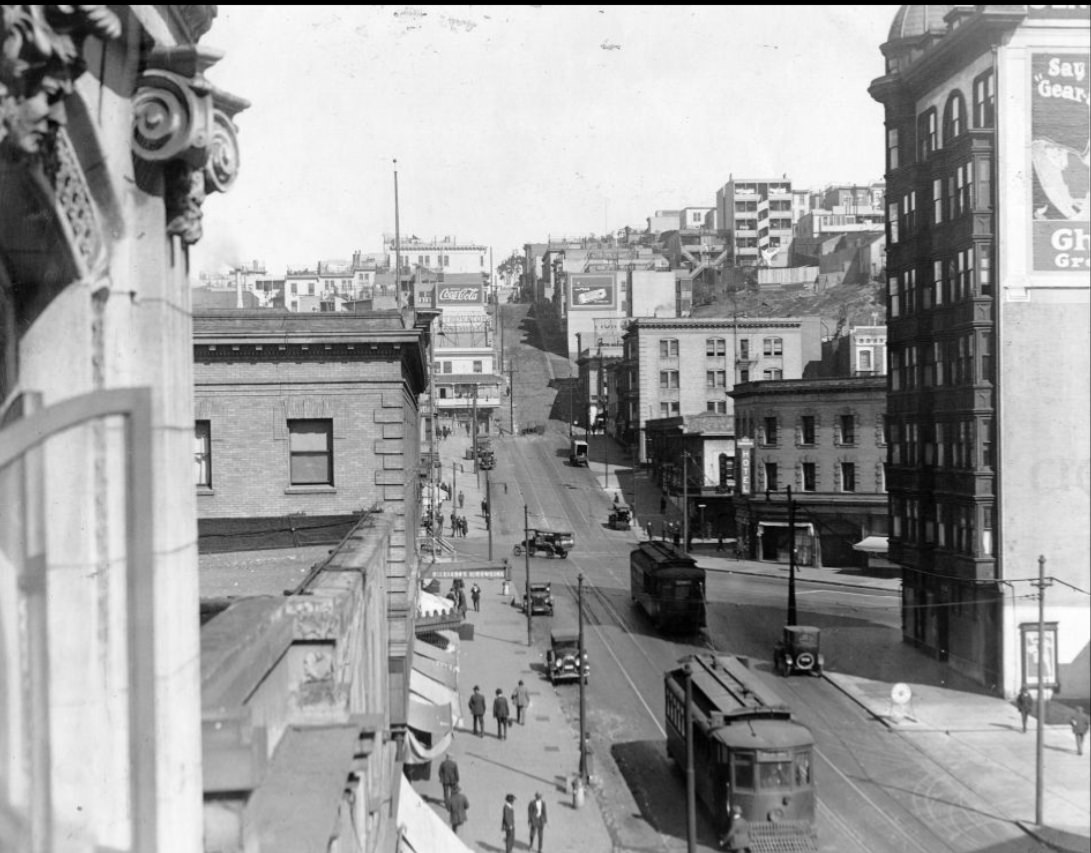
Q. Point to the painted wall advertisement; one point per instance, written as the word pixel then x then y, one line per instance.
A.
pixel 1033 651
pixel 592 291
pixel 459 294
pixel 1060 154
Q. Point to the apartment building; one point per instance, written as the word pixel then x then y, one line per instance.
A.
pixel 987 265
pixel 758 215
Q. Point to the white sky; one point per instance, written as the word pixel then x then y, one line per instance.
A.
pixel 511 123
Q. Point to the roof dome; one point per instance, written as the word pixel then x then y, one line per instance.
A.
pixel 914 21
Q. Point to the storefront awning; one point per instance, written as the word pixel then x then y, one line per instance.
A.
pixel 430 604
pixel 420 829
pixel 433 706
pixel 872 545
pixel 805 526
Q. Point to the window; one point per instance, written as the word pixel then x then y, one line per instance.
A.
pixel 937 201
pixel 848 429
pixel 809 476
pixel 865 359
pixel 715 347
pixel 772 373
pixel 773 346
pixel 985 100
pixel 962 200
pixel 718 407
pixel 292 289
pixel 202 453
pixel 771 476
pixel 664 410
pixel 891 149
pixel 892 222
pixel 984 272
pixel 937 282
pixel 770 431
pixel 744 349
pixel 310 444
pixel 744 374
pixel 986 433
pixel 954 117
pixel 668 378
pixel 806 429
pixel 893 293
pixel 448 367
pixel 926 134
pixel 477 366
pixel 668 348
pixel 716 378
pixel 848 476
pixel 909 212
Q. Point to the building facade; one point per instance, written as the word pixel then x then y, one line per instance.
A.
pixel 824 438
pixel 103 174
pixel 987 259
pixel 685 366
pixel 758 215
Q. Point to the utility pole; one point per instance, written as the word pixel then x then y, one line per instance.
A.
pixel 583 691
pixel 511 371
pixel 433 459
pixel 691 778
pixel 1039 746
pixel 526 557
pixel 397 240
pixel 791 559
pixel 685 495
pixel 474 432
pixel 488 511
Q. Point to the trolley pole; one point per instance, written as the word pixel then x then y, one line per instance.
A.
pixel 526 563
pixel 691 780
pixel 583 692
pixel 791 559
pixel 1039 746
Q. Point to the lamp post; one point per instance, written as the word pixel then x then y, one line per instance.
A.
pixel 1039 746
pixel 583 692
pixel 791 559
pixel 526 563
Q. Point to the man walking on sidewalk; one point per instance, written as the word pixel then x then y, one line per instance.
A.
pixel 521 698
pixel 457 807
pixel 1079 728
pixel 1024 703
pixel 501 711
pixel 477 711
pixel 461 498
pixel 448 777
pixel 475 596
pixel 536 815
pixel 507 823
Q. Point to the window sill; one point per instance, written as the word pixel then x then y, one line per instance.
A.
pixel 205 490
pixel 310 490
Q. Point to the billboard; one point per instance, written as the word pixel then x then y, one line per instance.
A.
pixel 460 294
pixel 592 291
pixel 1059 153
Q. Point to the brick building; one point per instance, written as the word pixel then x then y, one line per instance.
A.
pixel 825 439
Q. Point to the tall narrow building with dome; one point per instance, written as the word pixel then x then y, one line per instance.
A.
pixel 988 272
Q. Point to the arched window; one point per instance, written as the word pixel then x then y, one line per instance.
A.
pixel 954 117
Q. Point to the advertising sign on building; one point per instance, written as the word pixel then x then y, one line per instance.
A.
pixel 1059 146
pixel 1034 652
pixel 460 294
pixel 610 330
pixel 592 291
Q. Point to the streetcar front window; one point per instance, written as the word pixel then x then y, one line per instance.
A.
pixel 775 774
pixel 744 773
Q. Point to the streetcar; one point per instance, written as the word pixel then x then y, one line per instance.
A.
pixel 747 752
pixel 669 585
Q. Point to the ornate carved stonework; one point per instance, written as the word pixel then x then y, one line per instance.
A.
pixel 39 60
pixel 183 121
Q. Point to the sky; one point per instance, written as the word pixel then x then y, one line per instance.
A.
pixel 513 123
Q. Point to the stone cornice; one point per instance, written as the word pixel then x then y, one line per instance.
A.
pixel 193 21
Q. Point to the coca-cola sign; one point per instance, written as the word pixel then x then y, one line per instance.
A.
pixel 461 294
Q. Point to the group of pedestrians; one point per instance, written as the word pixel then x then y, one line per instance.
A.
pixel 501 709
pixel 1079 723
pixel 459 525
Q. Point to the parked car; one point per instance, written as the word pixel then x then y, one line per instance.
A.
pixel 533 429
pixel 621 518
pixel 798 651
pixel 563 657
pixel 541 599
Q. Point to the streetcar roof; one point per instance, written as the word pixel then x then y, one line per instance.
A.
pixel 764 734
pixel 723 685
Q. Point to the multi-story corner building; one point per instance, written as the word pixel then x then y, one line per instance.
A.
pixel 852 198
pixel 988 291
pixel 439 255
pixel 757 214
pixel 824 438
pixel 685 366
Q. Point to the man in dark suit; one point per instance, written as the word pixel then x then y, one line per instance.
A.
pixel 507 823
pixel 477 711
pixel 457 807
pixel 536 815
pixel 448 777
pixel 501 711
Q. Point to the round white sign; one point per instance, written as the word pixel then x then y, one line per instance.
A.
pixel 900 693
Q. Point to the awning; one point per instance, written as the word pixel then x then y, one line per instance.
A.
pixel 430 604
pixel 444 673
pixel 805 526
pixel 433 709
pixel 872 545
pixel 420 829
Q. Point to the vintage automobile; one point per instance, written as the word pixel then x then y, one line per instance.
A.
pixel 562 659
pixel 797 651
pixel 541 599
pixel 552 543
pixel 621 518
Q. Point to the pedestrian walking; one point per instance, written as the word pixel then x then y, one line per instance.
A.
pixel 475 597
pixel 457 808
pixel 460 603
pixel 461 498
pixel 501 711
pixel 454 523
pixel 520 697
pixel 737 839
pixel 720 542
pixel 477 711
pixel 662 504
pixel 536 817
pixel 464 525
pixel 448 777
pixel 507 823
pixel 648 530
pixel 1079 728
pixel 617 499
pixel 1024 703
